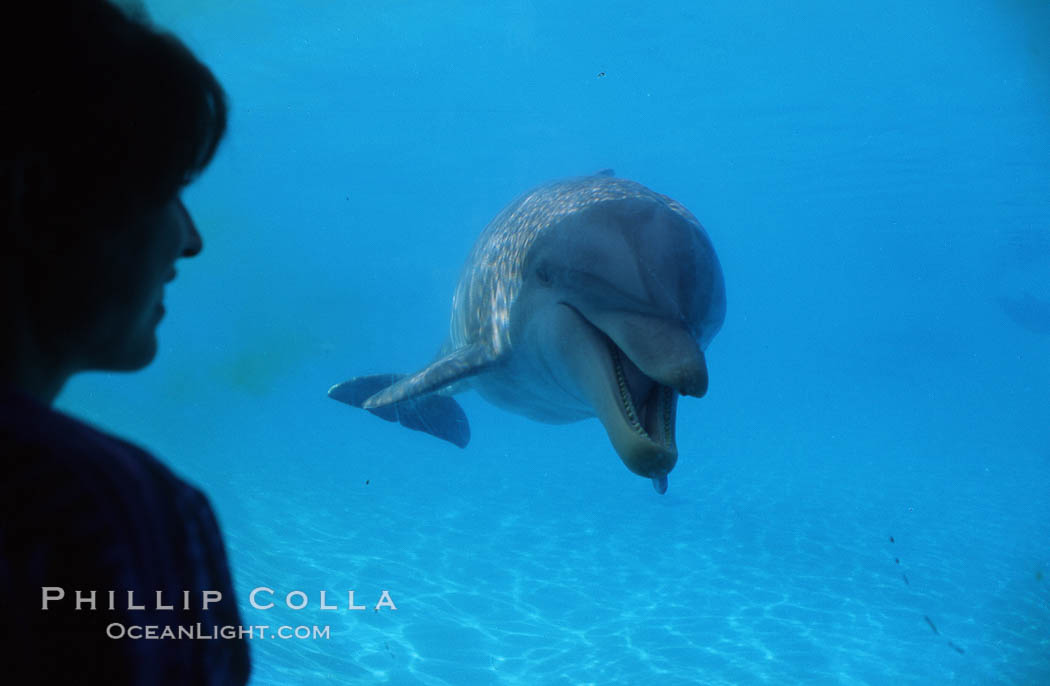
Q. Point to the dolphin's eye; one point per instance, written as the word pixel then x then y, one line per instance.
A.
pixel 544 275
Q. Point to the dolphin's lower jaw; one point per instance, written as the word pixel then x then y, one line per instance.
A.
pixel 651 452
pixel 637 410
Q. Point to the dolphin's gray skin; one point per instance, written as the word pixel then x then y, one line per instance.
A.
pixel 588 297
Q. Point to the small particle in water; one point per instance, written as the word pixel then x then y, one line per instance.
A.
pixel 905 577
pixel 601 74
pixel 1038 575
pixel 897 560
pixel 930 622
pixel 956 648
pixel 891 539
pixel 367 481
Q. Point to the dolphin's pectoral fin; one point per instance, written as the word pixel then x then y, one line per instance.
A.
pixel 412 400
pixel 359 389
pixel 437 415
pixel 457 365
pixel 433 414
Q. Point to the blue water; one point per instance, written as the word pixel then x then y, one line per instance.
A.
pixel 874 177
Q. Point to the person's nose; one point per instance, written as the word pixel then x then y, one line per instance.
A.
pixel 193 242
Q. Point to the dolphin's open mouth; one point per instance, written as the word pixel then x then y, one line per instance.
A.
pixel 630 368
pixel 648 406
pixel 649 409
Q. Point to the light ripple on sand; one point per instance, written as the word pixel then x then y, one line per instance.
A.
pixel 746 585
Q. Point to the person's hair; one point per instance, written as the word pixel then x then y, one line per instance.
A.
pixel 104 115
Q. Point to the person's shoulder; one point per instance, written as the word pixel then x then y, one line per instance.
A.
pixel 74 498
pixel 36 438
pixel 84 511
pixel 58 468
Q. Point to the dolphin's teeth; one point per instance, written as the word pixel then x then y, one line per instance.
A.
pixel 668 437
pixel 625 393
pixel 662 396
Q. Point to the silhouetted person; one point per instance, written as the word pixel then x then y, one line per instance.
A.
pixel 105 121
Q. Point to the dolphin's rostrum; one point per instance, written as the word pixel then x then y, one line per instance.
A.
pixel 593 296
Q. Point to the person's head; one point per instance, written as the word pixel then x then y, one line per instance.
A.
pixel 106 121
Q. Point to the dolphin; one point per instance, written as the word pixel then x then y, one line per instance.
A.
pixel 587 297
